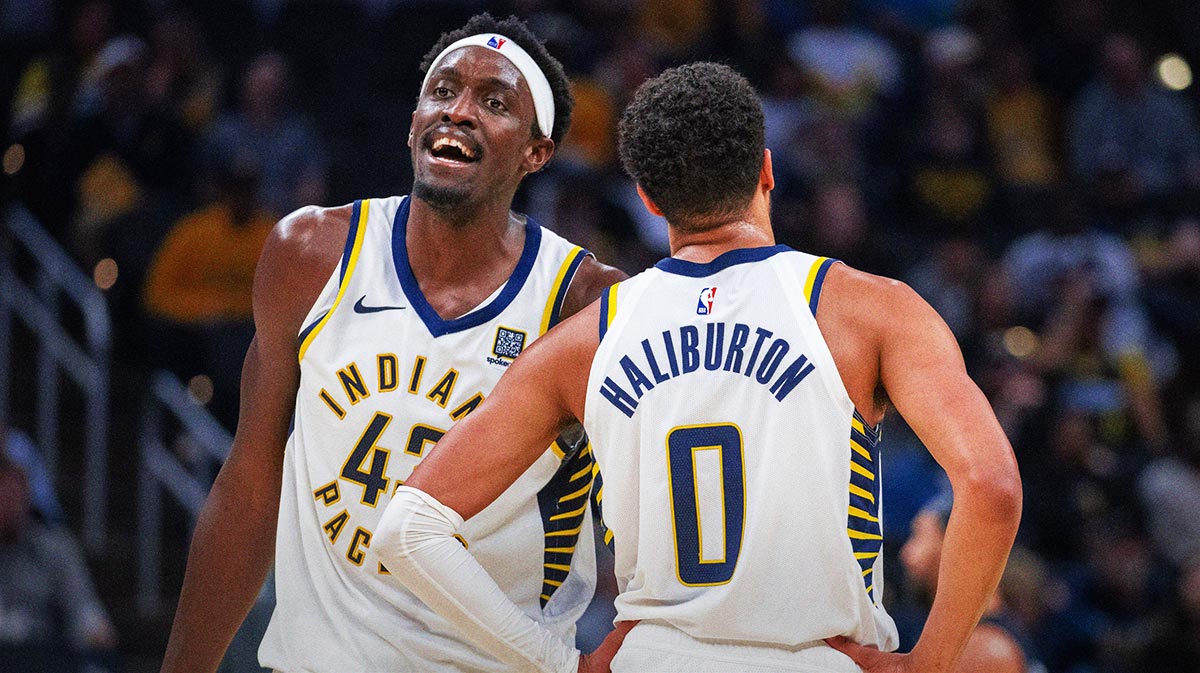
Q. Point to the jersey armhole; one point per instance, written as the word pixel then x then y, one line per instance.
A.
pixel 354 240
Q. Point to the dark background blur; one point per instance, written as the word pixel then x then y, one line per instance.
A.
pixel 1031 167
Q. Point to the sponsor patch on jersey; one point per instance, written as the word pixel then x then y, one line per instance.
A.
pixel 705 305
pixel 509 342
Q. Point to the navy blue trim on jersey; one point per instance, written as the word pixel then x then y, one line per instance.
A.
pixel 603 313
pixel 304 332
pixel 561 296
pixel 434 322
pixel 681 267
pixel 351 236
pixel 816 288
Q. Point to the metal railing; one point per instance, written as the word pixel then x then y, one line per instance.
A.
pixel 177 463
pixel 38 303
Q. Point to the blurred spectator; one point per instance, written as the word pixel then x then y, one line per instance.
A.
pixel 200 285
pixel 1020 125
pixel 279 138
pixel 181 77
pixel 949 280
pixel 48 86
pixel 1081 286
pixel 1171 267
pixel 847 68
pixel 42 108
pixel 999 643
pixel 951 188
pixel 125 148
pixel 49 612
pixel 838 226
pixel 1170 491
pixel 1174 637
pixel 674 28
pixel 1133 142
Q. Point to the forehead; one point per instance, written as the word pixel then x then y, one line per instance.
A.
pixel 478 64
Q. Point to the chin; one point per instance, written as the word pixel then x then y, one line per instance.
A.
pixel 441 197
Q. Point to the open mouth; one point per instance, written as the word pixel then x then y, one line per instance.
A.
pixel 453 149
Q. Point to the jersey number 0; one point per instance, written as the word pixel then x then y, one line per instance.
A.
pixel 707 479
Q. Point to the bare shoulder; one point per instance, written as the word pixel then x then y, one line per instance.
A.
pixel 864 318
pixel 591 279
pixel 300 253
pixel 872 297
pixel 992 649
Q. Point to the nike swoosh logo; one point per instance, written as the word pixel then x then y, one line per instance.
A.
pixel 359 308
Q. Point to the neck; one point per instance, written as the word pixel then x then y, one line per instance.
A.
pixel 752 230
pixel 447 245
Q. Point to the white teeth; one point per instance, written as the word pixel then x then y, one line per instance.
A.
pixel 441 143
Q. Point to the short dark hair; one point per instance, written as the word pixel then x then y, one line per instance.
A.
pixel 516 30
pixel 693 139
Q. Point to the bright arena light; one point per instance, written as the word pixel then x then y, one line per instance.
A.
pixel 1173 72
pixel 201 389
pixel 1020 342
pixel 105 273
pixel 14 159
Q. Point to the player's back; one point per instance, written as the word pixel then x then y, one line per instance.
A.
pixel 741 487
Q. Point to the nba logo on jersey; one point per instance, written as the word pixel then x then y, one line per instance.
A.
pixel 495 42
pixel 704 306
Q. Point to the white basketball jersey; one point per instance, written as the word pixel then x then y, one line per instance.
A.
pixel 741 489
pixel 382 377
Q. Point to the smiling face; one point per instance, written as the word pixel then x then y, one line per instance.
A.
pixel 472 135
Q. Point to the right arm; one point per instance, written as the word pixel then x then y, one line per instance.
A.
pixel 922 371
pixel 219 587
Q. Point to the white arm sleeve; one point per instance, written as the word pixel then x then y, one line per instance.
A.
pixel 415 540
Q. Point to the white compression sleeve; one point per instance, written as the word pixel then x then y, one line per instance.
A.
pixel 415 540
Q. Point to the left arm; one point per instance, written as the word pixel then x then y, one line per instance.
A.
pixel 542 392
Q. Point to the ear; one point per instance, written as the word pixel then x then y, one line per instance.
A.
pixel 649 203
pixel 537 154
pixel 411 121
pixel 766 176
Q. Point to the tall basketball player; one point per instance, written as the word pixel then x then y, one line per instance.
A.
pixel 379 325
pixel 732 394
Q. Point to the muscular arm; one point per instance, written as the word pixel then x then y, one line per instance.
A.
pixel 542 392
pixel 922 371
pixel 240 514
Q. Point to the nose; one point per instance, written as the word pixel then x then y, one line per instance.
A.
pixel 460 111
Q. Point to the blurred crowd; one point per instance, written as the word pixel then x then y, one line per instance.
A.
pixel 1031 168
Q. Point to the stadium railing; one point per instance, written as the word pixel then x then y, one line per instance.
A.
pixel 35 294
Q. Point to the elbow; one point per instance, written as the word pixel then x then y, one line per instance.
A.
pixel 997 491
pixel 391 536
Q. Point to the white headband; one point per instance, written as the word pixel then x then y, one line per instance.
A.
pixel 539 86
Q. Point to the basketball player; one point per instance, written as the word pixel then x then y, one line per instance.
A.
pixel 732 394
pixel 379 325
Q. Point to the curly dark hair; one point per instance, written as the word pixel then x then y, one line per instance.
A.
pixel 516 30
pixel 693 139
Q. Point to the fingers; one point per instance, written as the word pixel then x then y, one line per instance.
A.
pixel 861 655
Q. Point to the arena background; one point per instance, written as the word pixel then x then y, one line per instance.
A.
pixel 1031 167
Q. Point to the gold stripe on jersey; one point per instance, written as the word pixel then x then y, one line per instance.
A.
pixel 359 230
pixel 562 519
pixel 812 278
pixel 558 290
pixel 863 526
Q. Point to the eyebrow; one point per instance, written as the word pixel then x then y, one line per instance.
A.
pixel 450 72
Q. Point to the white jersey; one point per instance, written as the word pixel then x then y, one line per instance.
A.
pixel 741 489
pixel 382 377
